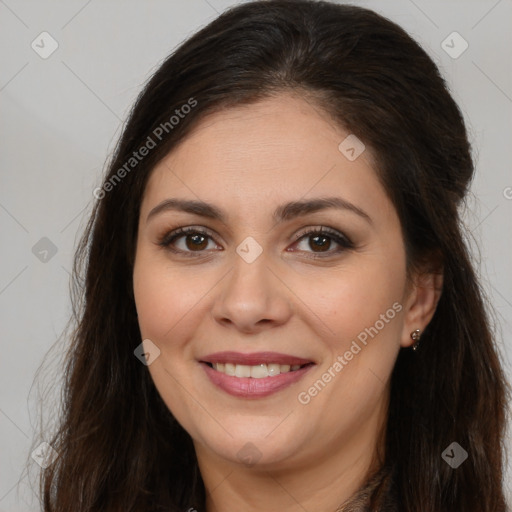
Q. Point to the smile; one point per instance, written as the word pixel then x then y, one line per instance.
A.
pixel 256 375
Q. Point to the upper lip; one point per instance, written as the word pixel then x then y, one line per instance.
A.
pixel 254 358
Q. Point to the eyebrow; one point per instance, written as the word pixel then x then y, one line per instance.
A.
pixel 285 212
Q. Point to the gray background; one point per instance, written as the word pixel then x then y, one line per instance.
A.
pixel 60 118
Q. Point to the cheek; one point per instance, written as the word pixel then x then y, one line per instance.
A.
pixel 361 305
pixel 164 299
pixel 363 309
pixel 348 301
pixel 155 301
pixel 163 296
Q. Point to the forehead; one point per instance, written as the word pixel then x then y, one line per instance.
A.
pixel 282 147
pixel 278 132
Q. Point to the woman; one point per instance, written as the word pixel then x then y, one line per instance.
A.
pixel 280 311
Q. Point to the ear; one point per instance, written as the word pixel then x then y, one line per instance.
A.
pixel 421 303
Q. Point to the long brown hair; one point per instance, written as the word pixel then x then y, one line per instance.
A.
pixel 120 448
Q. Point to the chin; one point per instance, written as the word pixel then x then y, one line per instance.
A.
pixel 257 451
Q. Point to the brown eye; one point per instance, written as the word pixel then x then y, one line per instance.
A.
pixel 187 241
pixel 196 242
pixel 319 242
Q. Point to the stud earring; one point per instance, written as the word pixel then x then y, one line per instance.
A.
pixel 415 336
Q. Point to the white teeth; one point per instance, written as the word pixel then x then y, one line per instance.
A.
pixel 242 371
pixel 274 369
pixel 259 371
pixel 229 369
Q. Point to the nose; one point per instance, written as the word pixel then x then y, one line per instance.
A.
pixel 252 298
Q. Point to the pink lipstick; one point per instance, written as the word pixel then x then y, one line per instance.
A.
pixel 254 375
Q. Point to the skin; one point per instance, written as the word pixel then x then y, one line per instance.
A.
pixel 247 161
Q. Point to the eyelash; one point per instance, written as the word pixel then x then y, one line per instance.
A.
pixel 343 241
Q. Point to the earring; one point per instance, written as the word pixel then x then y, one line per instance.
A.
pixel 415 336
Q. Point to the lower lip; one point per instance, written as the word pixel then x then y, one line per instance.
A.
pixel 248 387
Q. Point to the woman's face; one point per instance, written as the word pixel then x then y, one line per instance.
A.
pixel 309 324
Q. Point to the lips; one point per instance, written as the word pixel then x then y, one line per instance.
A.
pixel 255 375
